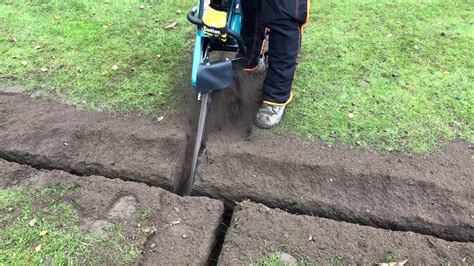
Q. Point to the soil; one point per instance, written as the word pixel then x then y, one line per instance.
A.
pixel 49 135
pixel 430 194
pixel 257 231
pixel 177 230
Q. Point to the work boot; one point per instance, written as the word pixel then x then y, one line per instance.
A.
pixel 269 116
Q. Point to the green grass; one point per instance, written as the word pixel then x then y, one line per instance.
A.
pixel 274 259
pixel 390 257
pixel 395 75
pixel 80 41
pixel 390 74
pixel 54 237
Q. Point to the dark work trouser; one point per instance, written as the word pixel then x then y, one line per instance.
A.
pixel 285 19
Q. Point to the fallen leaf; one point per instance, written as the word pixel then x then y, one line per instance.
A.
pixel 38 248
pixel 32 222
pixel 43 233
pixel 179 11
pixel 158 56
pixel 171 26
pixel 389 35
pixel 37 47
pixel 106 26
pixel 115 67
pixel 161 118
pixel 12 39
pixel 105 72
pixel 24 62
pixel 350 115
pixel 142 7
pixel 44 69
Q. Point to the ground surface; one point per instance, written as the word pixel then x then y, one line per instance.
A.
pixel 428 195
pixel 257 231
pixel 372 73
pixel 120 222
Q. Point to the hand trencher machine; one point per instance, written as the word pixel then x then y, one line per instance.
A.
pixel 208 76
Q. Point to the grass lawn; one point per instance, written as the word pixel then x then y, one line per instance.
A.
pixel 386 74
pixel 103 54
pixel 37 227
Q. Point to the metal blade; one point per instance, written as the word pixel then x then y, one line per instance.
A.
pixel 200 133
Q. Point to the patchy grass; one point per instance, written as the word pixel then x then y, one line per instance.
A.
pixel 395 75
pixel 102 54
pixel 274 259
pixel 36 227
pixel 390 74
pixel 390 257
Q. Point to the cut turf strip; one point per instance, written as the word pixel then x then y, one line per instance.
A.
pixel 430 194
pixel 56 136
pixel 257 231
pixel 168 229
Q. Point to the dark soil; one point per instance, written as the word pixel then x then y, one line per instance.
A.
pixel 49 135
pixel 257 231
pixel 431 194
pixel 169 229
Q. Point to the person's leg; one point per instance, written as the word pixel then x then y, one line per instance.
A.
pixel 285 19
pixel 253 31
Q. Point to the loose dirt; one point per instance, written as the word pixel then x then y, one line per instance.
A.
pixel 257 231
pixel 168 229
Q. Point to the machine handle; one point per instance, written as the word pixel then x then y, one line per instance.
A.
pixel 193 19
pixel 198 22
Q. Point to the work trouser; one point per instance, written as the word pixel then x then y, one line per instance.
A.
pixel 285 19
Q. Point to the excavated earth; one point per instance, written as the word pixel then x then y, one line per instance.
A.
pixel 257 229
pixel 179 230
pixel 366 202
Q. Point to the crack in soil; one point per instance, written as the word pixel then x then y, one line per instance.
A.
pixel 38 163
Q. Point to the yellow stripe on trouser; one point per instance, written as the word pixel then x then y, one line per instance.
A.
pixel 308 11
pixel 281 104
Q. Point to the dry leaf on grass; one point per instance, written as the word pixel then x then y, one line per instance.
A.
pixel 43 233
pixel 171 26
pixel 32 222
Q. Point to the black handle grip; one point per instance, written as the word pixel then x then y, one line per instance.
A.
pixel 240 41
pixel 231 33
pixel 193 19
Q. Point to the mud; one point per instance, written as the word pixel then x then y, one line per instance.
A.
pixel 257 231
pixel 429 194
pixel 175 231
pixel 49 135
